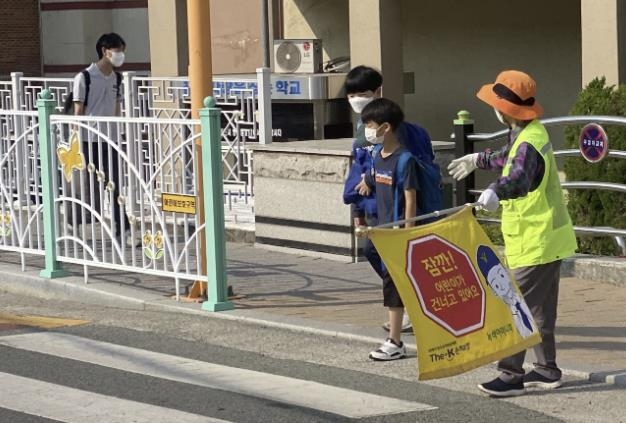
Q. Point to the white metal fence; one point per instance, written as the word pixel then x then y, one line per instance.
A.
pixel 112 213
pixel 245 105
pixel 124 192
pixel 21 227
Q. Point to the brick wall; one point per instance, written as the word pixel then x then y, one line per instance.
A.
pixel 20 37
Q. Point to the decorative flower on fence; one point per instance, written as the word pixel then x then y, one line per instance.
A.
pixel 70 157
pixel 5 224
pixel 153 245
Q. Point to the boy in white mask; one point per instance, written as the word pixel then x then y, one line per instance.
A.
pixel 396 199
pixel 104 95
pixel 363 85
pixel 97 91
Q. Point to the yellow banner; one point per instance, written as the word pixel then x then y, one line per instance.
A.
pixel 464 304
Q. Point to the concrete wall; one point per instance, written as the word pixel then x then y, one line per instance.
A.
pixel 454 47
pixel 69 36
pixel 324 19
pixel 236 36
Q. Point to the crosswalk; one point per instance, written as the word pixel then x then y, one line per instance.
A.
pixel 69 404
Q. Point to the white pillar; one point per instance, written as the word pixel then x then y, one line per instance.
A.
pixel 376 41
pixel 603 44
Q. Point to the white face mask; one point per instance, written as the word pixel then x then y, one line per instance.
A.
pixel 500 117
pixel 371 137
pixel 117 58
pixel 359 103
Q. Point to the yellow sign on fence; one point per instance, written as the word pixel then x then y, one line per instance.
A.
pixel 178 203
pixel 464 304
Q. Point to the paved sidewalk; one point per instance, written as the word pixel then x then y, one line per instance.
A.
pixel 338 299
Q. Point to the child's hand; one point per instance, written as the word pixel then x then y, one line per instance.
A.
pixel 360 231
pixel 363 189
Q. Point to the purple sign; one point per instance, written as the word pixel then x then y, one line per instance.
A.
pixel 593 143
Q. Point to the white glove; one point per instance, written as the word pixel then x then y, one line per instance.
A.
pixel 460 168
pixel 489 200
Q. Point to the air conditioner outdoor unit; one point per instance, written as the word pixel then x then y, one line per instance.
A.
pixel 298 56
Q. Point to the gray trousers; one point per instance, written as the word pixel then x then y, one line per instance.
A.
pixel 540 287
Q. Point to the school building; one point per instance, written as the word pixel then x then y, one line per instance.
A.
pixel 434 54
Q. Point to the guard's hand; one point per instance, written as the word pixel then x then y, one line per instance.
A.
pixel 461 167
pixel 489 200
pixel 362 188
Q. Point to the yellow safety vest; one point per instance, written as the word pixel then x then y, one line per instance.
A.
pixel 537 228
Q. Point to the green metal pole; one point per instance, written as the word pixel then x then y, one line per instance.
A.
pixel 45 107
pixel 463 126
pixel 214 209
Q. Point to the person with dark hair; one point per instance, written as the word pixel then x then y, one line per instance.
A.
pixel 104 94
pixel 536 226
pixel 97 92
pixel 396 199
pixel 364 84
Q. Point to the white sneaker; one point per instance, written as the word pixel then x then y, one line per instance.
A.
pixel 129 239
pixel 406 324
pixel 389 350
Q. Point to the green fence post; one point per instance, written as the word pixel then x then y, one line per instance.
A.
pixel 45 107
pixel 463 126
pixel 213 180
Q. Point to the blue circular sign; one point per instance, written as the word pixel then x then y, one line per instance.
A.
pixel 593 143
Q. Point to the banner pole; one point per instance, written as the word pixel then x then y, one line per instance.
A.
pixel 417 218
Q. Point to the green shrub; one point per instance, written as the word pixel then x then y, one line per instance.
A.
pixel 595 207
pixel 493 230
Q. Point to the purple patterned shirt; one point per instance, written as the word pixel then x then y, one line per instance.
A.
pixel 526 170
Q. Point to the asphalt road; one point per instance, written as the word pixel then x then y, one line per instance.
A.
pixel 176 349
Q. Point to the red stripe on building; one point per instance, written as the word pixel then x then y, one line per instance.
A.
pixel 138 66
pixel 93 5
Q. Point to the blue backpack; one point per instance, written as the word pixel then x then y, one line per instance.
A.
pixel 419 146
pixel 362 163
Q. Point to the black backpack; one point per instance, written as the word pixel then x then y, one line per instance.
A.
pixel 68 106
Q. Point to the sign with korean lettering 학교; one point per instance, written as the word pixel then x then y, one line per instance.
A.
pixel 464 304
pixel 178 203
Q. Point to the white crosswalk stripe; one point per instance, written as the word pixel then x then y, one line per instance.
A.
pixel 71 405
pixel 302 393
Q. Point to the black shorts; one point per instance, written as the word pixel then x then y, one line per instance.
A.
pixel 391 297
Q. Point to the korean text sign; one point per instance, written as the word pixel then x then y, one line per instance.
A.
pixel 464 304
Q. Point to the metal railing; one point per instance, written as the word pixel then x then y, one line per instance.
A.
pixel 245 105
pixel 465 138
pixel 111 192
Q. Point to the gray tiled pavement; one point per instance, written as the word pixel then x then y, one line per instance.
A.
pixel 340 299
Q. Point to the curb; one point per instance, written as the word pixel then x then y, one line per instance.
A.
pixel 73 288
pixel 606 269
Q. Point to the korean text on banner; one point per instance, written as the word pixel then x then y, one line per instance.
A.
pixel 465 306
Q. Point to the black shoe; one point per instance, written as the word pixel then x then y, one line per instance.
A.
pixel 537 380
pixel 499 388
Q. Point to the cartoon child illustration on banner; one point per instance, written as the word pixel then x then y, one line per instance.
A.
pixel 499 281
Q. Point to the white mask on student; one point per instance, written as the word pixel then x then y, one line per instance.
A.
pixel 117 58
pixel 359 103
pixel 371 137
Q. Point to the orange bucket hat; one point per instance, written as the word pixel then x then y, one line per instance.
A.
pixel 513 94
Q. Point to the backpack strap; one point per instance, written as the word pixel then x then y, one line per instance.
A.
pixel 399 182
pixel 87 77
pixel 119 83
